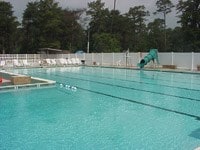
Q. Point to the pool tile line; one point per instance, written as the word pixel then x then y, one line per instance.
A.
pixel 152 70
pixel 144 82
pixel 138 82
pixel 140 103
pixel 191 99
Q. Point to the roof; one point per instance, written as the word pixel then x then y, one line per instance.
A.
pixel 50 49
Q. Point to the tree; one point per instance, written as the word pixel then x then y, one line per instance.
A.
pixel 164 6
pixel 155 34
pixel 49 23
pixel 175 40
pixel 72 37
pixel 8 28
pixel 190 22
pixel 42 25
pixel 98 16
pixel 120 28
pixel 106 42
pixel 137 27
pixel 45 24
pixel 31 29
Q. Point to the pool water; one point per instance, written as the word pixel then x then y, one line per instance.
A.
pixel 107 109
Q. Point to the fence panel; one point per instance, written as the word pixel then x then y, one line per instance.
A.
pixel 183 60
pixel 97 59
pixel 107 59
pixel 196 60
pixel 165 58
pixel 88 59
pixel 118 59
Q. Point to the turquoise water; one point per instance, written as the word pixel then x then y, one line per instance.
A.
pixel 109 109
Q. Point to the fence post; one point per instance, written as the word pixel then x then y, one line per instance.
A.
pixel 34 58
pixel 113 59
pixel 92 58
pixel 192 61
pixel 101 59
pixel 83 56
pixel 68 56
pixel 172 58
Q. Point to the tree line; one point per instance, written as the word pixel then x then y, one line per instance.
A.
pixel 97 29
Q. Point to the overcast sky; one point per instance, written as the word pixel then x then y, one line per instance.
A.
pixel 122 5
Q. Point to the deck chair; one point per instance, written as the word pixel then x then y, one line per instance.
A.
pixel 2 63
pixel 69 62
pixel 16 63
pixel 25 63
pixel 78 62
pixel 62 61
pixel 73 61
pixel 53 62
pixel 48 61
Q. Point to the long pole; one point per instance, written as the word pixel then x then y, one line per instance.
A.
pixel 165 36
pixel 114 4
pixel 113 16
pixel 88 43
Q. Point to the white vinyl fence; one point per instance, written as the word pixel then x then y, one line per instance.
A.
pixel 181 60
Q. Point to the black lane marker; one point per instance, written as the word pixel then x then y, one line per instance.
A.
pixel 163 79
pixel 136 102
pixel 140 103
pixel 103 83
pixel 138 82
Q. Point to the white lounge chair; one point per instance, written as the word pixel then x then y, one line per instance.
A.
pixel 118 63
pixel 25 63
pixel 78 61
pixel 2 63
pixel 48 61
pixel 16 63
pixel 62 61
pixel 69 62
pixel 74 61
pixel 53 62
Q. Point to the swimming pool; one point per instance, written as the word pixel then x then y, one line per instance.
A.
pixel 109 109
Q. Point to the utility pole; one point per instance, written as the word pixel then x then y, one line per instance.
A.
pixel 88 40
pixel 113 15
pixel 165 30
pixel 114 4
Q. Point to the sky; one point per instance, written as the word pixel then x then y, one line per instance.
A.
pixel 122 5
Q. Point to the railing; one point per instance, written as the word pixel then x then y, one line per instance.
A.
pixel 188 61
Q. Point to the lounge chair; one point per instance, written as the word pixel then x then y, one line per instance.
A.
pixel 2 63
pixel 53 62
pixel 69 62
pixel 25 63
pixel 48 62
pixel 78 62
pixel 16 63
pixel 75 61
pixel 118 63
pixel 62 61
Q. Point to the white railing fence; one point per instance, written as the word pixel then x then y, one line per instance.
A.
pixel 181 60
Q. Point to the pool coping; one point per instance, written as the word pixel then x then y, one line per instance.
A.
pixel 43 83
pixel 158 69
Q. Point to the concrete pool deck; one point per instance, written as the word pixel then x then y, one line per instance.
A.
pixel 7 83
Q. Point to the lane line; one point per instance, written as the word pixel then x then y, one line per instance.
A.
pixel 137 82
pixel 131 88
pixel 140 103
